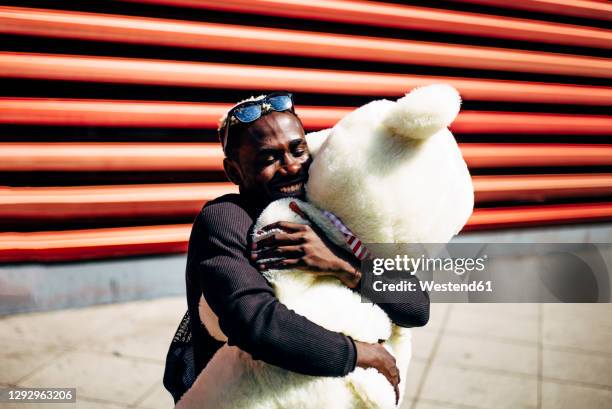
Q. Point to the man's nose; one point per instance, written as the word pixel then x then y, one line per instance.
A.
pixel 291 165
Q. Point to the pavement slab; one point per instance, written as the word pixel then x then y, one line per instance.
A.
pixel 578 367
pixel 567 396
pixel 484 353
pixel 482 322
pixel 99 376
pixel 480 389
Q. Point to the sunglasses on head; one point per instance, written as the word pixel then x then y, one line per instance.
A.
pixel 251 111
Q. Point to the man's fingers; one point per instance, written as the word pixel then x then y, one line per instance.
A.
pixel 393 375
pixel 272 240
pixel 278 239
pixel 280 264
pixel 391 372
pixel 282 225
pixel 394 380
pixel 290 251
pixel 397 393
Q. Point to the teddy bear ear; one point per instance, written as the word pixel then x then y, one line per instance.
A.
pixel 424 111
pixel 315 140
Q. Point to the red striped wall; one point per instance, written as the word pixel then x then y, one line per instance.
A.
pixel 108 109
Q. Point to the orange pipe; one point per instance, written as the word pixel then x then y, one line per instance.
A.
pixel 112 156
pixel 540 187
pixel 481 155
pixel 598 10
pixel 176 33
pixel 72 112
pixel 33 204
pixel 483 122
pixel 506 217
pixel 408 17
pixel 131 241
pixel 213 75
pixel 92 244
pixel 143 157
pixel 94 202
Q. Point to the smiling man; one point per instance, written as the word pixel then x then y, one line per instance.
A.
pixel 256 149
pixel 268 158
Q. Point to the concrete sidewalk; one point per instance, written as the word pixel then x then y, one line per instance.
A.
pixel 468 356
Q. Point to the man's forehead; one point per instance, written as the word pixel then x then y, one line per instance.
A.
pixel 276 122
pixel 275 128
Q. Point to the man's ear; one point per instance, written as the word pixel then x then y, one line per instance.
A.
pixel 232 171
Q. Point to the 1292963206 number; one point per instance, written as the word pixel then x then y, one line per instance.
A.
pixel 34 395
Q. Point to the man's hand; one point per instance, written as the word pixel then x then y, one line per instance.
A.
pixel 300 245
pixel 377 357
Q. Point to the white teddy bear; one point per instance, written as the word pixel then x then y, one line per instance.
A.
pixel 393 173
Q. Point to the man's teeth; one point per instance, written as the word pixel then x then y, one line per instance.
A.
pixel 291 188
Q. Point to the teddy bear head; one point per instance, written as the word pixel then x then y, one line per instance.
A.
pixel 392 171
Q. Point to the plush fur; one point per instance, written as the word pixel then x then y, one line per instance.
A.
pixel 394 174
pixel 408 187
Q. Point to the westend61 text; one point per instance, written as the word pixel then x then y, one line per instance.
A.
pixel 474 286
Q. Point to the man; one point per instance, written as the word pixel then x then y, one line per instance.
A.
pixel 267 157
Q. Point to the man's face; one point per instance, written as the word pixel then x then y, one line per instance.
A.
pixel 273 157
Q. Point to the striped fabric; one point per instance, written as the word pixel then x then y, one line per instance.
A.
pixel 356 246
